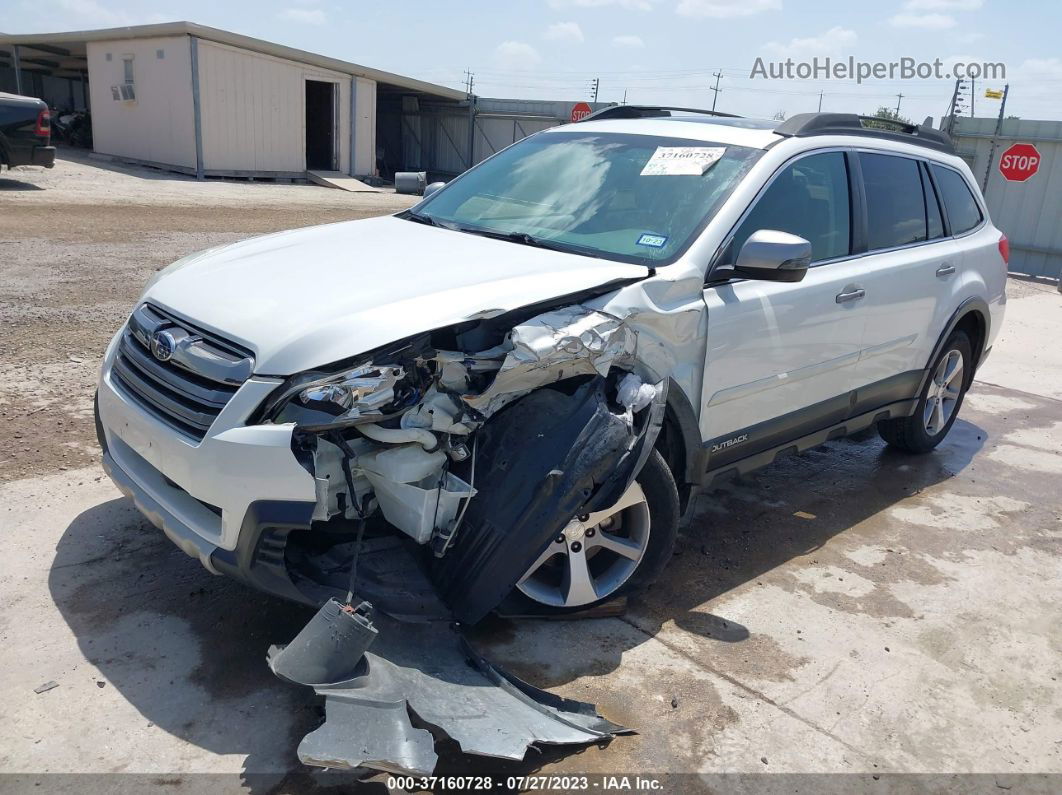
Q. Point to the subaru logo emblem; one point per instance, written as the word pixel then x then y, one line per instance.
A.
pixel 163 345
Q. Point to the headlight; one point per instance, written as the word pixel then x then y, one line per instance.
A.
pixel 362 394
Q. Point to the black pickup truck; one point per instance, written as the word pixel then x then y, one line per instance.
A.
pixel 25 132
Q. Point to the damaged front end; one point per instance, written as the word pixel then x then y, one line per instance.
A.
pixel 444 467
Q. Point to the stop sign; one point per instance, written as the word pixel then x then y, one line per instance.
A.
pixel 1019 162
pixel 580 110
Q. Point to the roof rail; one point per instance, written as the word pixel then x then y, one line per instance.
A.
pixel 648 112
pixel 808 124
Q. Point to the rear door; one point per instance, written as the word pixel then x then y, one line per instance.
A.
pixel 780 356
pixel 909 270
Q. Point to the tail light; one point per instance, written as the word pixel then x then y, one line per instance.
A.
pixel 1004 249
pixel 44 123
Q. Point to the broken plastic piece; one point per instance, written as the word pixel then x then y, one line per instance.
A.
pixel 428 675
pixel 329 648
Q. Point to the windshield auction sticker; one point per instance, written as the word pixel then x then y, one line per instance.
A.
pixel 682 160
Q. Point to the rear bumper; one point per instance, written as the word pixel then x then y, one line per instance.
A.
pixel 44 156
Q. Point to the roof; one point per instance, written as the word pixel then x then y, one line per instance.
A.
pixel 753 133
pixel 233 39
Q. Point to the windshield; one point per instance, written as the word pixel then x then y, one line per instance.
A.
pixel 633 198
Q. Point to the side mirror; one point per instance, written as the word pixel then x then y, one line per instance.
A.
pixel 773 256
pixel 428 191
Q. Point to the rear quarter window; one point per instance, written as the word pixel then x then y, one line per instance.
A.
pixel 963 211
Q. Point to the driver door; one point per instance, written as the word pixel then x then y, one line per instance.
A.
pixel 781 355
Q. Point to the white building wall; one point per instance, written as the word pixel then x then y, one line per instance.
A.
pixel 254 111
pixel 158 126
pixel 364 127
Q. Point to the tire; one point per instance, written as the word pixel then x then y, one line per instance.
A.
pixel 661 500
pixel 925 429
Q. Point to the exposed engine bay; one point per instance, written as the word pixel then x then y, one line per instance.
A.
pixel 434 440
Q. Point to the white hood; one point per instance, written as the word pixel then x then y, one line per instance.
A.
pixel 309 297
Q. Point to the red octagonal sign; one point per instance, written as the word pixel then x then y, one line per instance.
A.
pixel 1019 162
pixel 580 111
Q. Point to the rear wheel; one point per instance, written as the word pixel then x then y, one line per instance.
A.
pixel 939 403
pixel 615 552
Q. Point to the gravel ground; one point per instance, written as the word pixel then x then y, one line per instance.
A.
pixel 79 242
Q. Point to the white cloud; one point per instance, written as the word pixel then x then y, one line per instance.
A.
pixel 306 16
pixel 923 21
pixel 564 31
pixel 628 41
pixel 726 9
pixel 516 55
pixel 637 5
pixel 834 41
pixel 943 5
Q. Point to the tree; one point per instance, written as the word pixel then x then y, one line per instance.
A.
pixel 779 115
pixel 888 115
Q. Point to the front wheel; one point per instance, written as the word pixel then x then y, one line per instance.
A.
pixel 938 405
pixel 615 552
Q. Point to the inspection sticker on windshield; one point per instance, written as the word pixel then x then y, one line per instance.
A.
pixel 682 160
pixel 656 241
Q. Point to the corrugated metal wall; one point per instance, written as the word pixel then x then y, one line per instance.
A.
pixel 1030 212
pixel 253 110
pixel 435 136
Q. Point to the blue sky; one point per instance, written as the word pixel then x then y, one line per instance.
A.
pixel 658 51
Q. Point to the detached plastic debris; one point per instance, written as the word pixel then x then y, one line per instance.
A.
pixel 423 675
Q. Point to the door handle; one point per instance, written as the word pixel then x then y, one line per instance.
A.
pixel 945 270
pixel 851 295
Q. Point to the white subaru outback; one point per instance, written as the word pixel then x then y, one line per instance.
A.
pixel 505 397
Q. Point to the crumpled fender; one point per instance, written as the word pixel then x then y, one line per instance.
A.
pixel 540 461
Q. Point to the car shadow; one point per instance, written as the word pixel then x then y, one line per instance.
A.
pixel 735 534
pixel 187 649
pixel 8 184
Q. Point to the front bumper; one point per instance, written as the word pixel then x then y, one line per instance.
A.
pixel 218 498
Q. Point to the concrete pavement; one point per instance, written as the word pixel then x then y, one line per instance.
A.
pixel 848 610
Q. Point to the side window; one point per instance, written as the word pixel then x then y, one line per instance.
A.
pixel 896 210
pixel 808 198
pixel 963 211
pixel 934 219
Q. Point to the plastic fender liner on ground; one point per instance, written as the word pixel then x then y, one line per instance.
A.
pixel 426 675
pixel 540 461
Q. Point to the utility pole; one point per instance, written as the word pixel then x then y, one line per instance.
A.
pixel 595 84
pixel 995 135
pixel 624 97
pixel 899 99
pixel 715 96
pixel 973 93
pixel 470 83
pixel 953 108
pixel 820 102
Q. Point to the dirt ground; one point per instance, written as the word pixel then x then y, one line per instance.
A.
pixel 79 243
pixel 851 613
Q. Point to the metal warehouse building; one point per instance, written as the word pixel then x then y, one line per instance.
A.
pixel 214 103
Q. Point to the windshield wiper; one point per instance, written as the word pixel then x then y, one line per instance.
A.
pixel 525 239
pixel 409 215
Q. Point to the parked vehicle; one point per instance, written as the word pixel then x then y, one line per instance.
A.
pixel 73 127
pixel 509 393
pixel 25 132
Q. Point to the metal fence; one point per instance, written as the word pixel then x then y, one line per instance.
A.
pixel 1029 212
pixel 435 137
